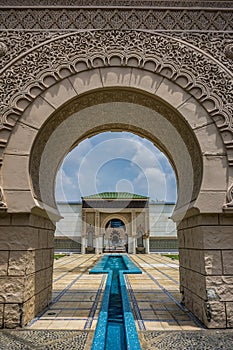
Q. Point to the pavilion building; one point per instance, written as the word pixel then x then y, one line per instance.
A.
pixel 115 222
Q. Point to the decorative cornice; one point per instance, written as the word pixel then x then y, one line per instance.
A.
pixel 117 3
pixel 166 18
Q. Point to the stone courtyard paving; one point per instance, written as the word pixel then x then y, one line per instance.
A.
pixel 70 320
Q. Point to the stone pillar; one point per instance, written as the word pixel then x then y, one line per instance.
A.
pixel 132 245
pixel 147 245
pixel 84 229
pixel 206 268
pixel 84 244
pixel 99 248
pixel 133 223
pixel 26 267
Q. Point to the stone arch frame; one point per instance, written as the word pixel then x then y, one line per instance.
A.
pixel 114 216
pixel 65 92
pixel 163 57
pixel 196 260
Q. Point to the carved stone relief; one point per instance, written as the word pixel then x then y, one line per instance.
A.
pixel 130 3
pixel 47 58
pixel 59 57
pixel 163 19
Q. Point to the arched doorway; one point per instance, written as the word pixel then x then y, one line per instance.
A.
pixel 171 111
pixel 115 237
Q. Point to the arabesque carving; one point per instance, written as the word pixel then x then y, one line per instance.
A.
pixel 175 17
pixel 229 51
pixel 51 57
pixel 58 57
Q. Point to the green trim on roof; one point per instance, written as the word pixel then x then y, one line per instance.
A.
pixel 115 195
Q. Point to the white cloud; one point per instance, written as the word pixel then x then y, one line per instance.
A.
pixel 82 166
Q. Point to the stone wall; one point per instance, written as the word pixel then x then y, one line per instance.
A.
pixel 206 268
pixel 26 266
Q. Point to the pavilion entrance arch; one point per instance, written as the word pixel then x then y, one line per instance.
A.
pixel 163 107
pixel 116 231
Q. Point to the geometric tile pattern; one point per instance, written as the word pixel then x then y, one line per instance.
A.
pixel 155 296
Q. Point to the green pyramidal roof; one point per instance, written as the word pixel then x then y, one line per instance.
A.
pixel 115 195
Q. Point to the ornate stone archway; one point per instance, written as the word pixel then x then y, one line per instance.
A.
pixel 179 85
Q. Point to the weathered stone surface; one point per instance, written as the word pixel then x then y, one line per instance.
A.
pixel 211 263
pixel 210 141
pixel 212 179
pixel 217 237
pixel 46 258
pixel 196 260
pixel 185 258
pixel 222 285
pixel 1 315
pixel 37 113
pixel 12 316
pixel 4 256
pixel 188 299
pixel 43 239
pixel 229 309
pixel 116 76
pixel 180 236
pixel 5 220
pixel 29 290
pixel 196 283
pixel 87 80
pixel 147 81
pixel 12 289
pixel 29 310
pixel 43 279
pixel 38 260
pixel 194 113
pixel 198 307
pixel 211 201
pixel 21 263
pixel 58 94
pixel 227 260
pixel 19 201
pixel 226 219
pixel 42 300
pixel 18 238
pixel 21 140
pixel 218 315
pixel 15 170
pixel 50 239
pixel 173 94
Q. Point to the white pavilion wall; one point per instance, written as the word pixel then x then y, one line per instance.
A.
pixel 163 234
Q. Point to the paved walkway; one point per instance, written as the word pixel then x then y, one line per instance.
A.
pixel 77 296
pixel 70 321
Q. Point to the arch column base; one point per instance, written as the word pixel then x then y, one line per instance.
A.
pixel 206 268
pixel 26 259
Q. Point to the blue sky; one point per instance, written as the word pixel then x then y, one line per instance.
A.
pixel 116 161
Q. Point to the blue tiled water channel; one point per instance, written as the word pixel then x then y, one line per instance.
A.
pixel 115 328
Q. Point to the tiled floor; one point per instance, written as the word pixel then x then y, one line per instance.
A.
pixel 155 295
pixel 77 296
